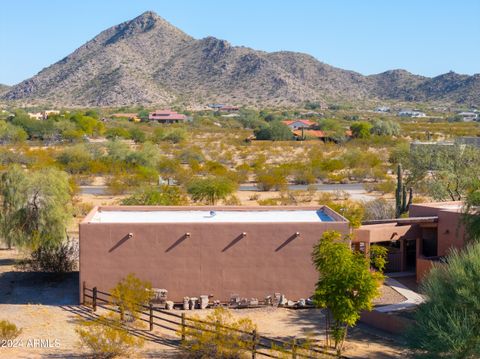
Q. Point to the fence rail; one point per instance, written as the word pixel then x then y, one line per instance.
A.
pixel 256 343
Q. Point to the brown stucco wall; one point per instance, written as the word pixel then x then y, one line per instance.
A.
pixel 215 259
pixel 450 231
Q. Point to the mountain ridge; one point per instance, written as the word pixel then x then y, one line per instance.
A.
pixel 148 61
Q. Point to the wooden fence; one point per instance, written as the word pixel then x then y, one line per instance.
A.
pixel 258 345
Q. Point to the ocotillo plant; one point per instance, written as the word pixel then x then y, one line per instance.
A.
pixel 401 203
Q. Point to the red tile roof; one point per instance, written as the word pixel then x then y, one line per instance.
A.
pixel 166 115
pixel 305 122
pixel 310 133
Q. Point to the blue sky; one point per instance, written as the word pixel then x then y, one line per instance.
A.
pixel 369 36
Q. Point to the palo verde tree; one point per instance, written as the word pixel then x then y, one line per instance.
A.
pixel 210 189
pixel 346 286
pixel 447 324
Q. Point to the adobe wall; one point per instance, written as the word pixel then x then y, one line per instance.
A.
pixel 388 322
pixel 451 232
pixel 215 259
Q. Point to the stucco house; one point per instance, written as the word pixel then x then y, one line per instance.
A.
pixel 219 251
pixel 298 124
pixel 166 116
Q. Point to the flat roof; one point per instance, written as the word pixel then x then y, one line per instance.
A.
pixel 209 216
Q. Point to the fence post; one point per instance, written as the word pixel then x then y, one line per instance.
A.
pixel 151 316
pixel 83 292
pixel 94 304
pixel 254 343
pixel 294 348
pixel 183 326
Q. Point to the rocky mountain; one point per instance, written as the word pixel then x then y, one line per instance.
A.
pixel 148 61
pixel 4 88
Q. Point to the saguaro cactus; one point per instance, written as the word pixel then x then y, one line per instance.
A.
pixel 401 203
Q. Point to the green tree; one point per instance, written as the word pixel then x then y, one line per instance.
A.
pixel 447 324
pixel 38 207
pixel 385 128
pixel 471 215
pixel 275 131
pixel 361 129
pixel 210 189
pixel 13 196
pixel 449 172
pixel 346 285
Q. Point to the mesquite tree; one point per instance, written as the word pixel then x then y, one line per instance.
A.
pixel 36 207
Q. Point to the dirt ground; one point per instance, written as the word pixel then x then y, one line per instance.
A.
pixel 46 308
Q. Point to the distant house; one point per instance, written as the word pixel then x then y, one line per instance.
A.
pixel 382 109
pixel 36 115
pixel 411 113
pixel 131 116
pixel 43 115
pixel 298 124
pixel 216 106
pixel 301 134
pixel 166 116
pixel 229 109
pixel 468 116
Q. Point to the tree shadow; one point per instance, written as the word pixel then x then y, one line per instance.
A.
pixel 39 288
pixel 82 312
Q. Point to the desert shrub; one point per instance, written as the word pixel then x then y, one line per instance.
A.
pixel 387 186
pixel 153 196
pixel 254 197
pixel 378 209
pixel 275 131
pixel 59 259
pixel 8 330
pixel 117 132
pixel 117 184
pixel 191 154
pixel 303 175
pixel 385 128
pixel 232 200
pixel 273 178
pixel 361 129
pixel 130 294
pixel 446 324
pixel 214 341
pixel 137 135
pixel 176 135
pixel 81 209
pixel 268 201
pixel 336 177
pixel 106 338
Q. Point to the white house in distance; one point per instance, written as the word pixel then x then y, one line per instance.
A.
pixel 468 116
pixel 298 124
pixel 411 113
pixel 382 109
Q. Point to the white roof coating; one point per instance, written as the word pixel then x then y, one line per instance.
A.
pixel 206 216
